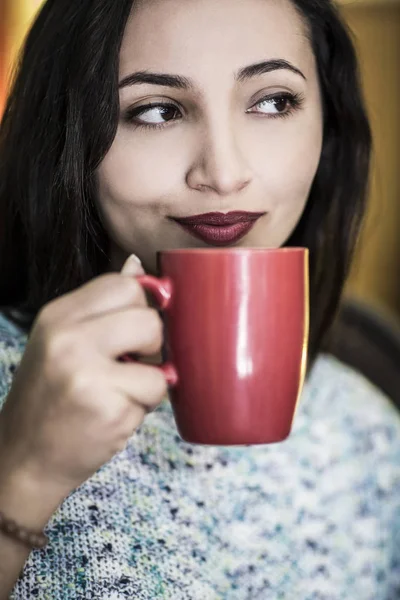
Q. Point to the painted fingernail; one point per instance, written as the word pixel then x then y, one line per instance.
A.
pixel 132 266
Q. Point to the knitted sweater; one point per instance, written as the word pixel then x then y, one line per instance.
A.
pixel 316 517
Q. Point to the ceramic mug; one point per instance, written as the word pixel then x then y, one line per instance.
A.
pixel 237 324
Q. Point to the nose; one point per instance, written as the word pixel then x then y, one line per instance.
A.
pixel 219 165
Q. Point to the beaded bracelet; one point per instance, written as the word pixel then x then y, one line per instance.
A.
pixel 32 539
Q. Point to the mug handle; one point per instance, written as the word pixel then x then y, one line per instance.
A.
pixel 161 289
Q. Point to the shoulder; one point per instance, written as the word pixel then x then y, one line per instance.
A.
pixel 12 344
pixel 352 421
pixel 346 451
pixel 345 392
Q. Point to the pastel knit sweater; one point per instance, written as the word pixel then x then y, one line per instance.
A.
pixel 316 517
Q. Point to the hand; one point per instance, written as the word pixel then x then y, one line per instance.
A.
pixel 72 405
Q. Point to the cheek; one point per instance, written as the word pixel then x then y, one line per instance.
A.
pixel 287 162
pixel 137 171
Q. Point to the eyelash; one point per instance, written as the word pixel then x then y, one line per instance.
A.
pixel 295 101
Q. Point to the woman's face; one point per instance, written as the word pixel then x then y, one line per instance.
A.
pixel 220 112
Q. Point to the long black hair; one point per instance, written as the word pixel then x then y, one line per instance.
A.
pixel 61 118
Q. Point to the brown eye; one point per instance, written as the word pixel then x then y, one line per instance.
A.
pixel 278 104
pixel 165 112
pixel 153 114
pixel 281 104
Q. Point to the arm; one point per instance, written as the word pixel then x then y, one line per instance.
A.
pixel 61 421
pixel 21 498
pixel 29 504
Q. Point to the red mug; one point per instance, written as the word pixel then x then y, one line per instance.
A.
pixel 237 324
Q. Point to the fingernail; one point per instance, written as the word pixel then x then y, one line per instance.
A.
pixel 132 266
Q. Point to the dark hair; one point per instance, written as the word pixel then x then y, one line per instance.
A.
pixel 332 219
pixel 61 118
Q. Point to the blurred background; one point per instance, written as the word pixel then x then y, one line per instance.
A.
pixel 375 276
pixel 15 18
pixel 376 31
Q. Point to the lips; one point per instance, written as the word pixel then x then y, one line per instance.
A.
pixel 219 229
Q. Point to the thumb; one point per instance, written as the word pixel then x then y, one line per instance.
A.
pixel 132 266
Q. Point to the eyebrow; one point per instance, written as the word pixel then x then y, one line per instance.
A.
pixel 185 83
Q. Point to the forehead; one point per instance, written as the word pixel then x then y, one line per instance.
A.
pixel 195 37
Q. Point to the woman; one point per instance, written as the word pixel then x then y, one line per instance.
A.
pixel 123 118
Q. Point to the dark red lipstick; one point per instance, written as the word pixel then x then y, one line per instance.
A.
pixel 220 229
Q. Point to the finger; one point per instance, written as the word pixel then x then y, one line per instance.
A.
pixel 130 330
pixel 107 293
pixel 142 384
pixel 132 266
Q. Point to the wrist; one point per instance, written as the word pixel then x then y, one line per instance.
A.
pixel 26 499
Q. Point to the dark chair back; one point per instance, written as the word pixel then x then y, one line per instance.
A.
pixel 368 340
